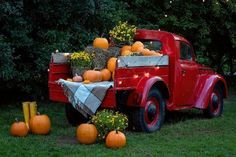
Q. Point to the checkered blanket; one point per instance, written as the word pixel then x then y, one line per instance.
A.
pixel 86 98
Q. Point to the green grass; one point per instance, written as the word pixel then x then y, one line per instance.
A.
pixel 184 133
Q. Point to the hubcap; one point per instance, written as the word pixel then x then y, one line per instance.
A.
pixel 152 112
pixel 215 101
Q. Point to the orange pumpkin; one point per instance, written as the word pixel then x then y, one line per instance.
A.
pixel 40 124
pixel 140 49
pixel 111 64
pixel 115 139
pixel 126 53
pixel 86 82
pixel 92 75
pixel 19 129
pixel 101 43
pixel 125 47
pixel 136 46
pixel 86 133
pixel 146 52
pixel 106 75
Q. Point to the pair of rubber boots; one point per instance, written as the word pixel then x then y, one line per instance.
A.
pixel 29 110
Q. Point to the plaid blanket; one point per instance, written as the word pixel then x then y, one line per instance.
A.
pixel 86 98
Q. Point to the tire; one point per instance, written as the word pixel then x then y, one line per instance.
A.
pixel 151 117
pixel 215 104
pixel 73 116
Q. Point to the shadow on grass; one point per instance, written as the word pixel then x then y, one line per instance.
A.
pixel 183 115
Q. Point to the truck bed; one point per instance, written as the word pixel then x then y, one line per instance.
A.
pixel 129 72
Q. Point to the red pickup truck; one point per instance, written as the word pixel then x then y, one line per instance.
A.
pixel 146 86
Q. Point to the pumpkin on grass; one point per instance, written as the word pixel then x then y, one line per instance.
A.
pixel 92 75
pixel 40 124
pixel 100 43
pixel 86 133
pixel 111 64
pixel 115 139
pixel 19 129
pixel 106 75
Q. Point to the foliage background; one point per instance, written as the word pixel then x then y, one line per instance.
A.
pixel 31 30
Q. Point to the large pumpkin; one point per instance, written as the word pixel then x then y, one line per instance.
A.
pixel 111 64
pixel 40 124
pixel 100 43
pixel 106 75
pixel 137 45
pixel 115 139
pixel 19 129
pixel 92 75
pixel 86 133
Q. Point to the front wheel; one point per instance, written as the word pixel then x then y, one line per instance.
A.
pixel 215 105
pixel 151 117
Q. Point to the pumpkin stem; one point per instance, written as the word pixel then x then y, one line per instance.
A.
pixel 38 113
pixel 102 35
pixel 16 119
pixel 116 131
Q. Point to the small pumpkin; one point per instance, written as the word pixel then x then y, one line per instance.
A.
pixel 126 53
pixel 69 79
pixel 77 78
pixel 86 133
pixel 106 75
pixel 124 48
pixel 40 124
pixel 19 129
pixel 115 139
pixel 111 64
pixel 136 46
pixel 146 52
pixel 100 43
pixel 92 75
pixel 86 82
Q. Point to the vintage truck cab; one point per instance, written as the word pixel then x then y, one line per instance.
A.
pixel 146 86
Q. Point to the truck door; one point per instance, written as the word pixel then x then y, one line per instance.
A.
pixel 186 74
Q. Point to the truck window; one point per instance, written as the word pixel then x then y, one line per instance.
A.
pixel 153 45
pixel 185 51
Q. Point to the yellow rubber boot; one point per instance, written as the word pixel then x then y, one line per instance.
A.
pixel 26 112
pixel 33 109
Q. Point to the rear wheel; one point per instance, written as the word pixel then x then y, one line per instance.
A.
pixel 73 116
pixel 215 105
pixel 151 117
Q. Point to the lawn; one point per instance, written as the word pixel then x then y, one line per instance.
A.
pixel 185 133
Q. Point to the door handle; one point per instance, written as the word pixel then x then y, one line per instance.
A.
pixel 183 72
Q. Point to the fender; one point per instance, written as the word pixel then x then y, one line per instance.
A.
pixel 144 86
pixel 205 90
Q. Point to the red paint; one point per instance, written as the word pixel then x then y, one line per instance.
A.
pixel 190 85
